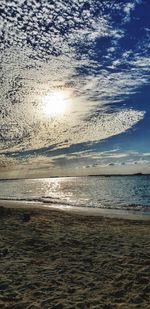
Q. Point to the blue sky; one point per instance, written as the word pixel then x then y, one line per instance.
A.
pixel 75 93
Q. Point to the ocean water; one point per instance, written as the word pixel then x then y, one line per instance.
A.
pixel 123 193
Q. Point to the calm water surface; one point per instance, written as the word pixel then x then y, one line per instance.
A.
pixel 130 193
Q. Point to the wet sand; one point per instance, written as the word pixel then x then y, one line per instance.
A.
pixel 53 259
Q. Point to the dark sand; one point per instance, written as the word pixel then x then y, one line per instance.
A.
pixel 51 259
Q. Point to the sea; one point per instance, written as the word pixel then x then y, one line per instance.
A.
pixel 111 194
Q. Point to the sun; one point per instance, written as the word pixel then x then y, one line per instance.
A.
pixel 54 103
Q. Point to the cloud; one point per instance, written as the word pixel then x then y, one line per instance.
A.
pixel 66 131
pixel 74 47
pixel 7 162
pixel 74 163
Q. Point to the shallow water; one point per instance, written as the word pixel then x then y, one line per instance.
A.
pixel 130 193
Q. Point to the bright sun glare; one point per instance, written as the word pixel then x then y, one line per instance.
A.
pixel 54 103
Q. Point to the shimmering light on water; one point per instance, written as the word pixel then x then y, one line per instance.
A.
pixel 119 192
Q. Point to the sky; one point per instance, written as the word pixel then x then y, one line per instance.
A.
pixel 75 92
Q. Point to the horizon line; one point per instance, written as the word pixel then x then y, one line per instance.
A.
pixel 90 175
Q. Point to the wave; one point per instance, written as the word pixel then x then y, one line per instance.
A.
pixel 44 200
pixel 48 200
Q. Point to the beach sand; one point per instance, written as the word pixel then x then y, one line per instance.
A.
pixel 52 259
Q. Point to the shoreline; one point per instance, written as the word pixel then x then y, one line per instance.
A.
pixel 80 211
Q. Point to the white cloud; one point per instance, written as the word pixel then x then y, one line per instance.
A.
pixel 26 133
pixel 40 52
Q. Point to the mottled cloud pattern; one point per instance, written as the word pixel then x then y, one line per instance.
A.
pixel 84 48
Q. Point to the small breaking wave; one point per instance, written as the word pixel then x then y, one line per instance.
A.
pixel 48 200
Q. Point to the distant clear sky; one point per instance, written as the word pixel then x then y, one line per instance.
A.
pixel 75 92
